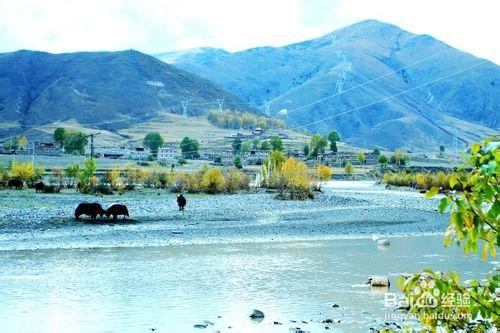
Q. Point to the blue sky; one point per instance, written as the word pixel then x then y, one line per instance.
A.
pixel 155 26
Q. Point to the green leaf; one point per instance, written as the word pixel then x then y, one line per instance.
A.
pixel 432 192
pixel 475 148
pixel 443 204
pixel 453 180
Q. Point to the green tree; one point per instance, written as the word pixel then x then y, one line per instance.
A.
pixel 382 159
pixel 334 136
pixel 333 146
pixel 441 151
pixel 153 141
pixel 59 136
pixel 399 158
pixel 318 144
pixel 306 149
pixel 236 145
pixel 237 162
pixel 474 221
pixel 87 175
pixel 276 143
pixel 72 172
pixel 361 157
pixel 255 144
pixel 265 145
pixel 75 142
pixel 190 148
pixel 376 152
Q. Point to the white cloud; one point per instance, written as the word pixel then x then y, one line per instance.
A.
pixel 156 26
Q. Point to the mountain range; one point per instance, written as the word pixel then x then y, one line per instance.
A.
pixel 376 84
pixel 104 90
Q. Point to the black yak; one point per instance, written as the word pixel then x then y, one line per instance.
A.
pixel 89 209
pixel 17 183
pixel 117 209
pixel 181 201
pixel 39 187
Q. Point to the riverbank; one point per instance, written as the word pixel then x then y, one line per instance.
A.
pixel 351 210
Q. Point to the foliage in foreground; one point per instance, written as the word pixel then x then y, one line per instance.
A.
pixel 424 181
pixel 474 221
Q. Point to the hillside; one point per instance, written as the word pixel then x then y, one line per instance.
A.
pixel 439 90
pixel 105 90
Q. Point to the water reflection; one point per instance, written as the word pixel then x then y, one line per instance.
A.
pixel 172 288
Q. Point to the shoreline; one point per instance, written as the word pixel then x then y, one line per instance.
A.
pixel 357 211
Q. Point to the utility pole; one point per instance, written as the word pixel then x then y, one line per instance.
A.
pixel 220 102
pixel 92 135
pixel 185 105
pixel 267 104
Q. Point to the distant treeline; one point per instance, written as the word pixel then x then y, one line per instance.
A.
pixel 235 120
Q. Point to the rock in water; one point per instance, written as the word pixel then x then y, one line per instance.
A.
pixel 257 314
pixel 383 242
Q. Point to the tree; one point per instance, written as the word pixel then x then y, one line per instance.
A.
pixel 318 144
pixel 361 157
pixel 333 146
pixel 237 162
pixel 212 181
pixel 255 144
pixel 376 152
pixel 349 169
pixel 75 142
pixel 306 149
pixel 276 143
pixel 87 181
pixel 334 136
pixel 265 145
pixel 324 172
pixel 190 147
pixel 244 147
pixel 59 136
pixel 236 145
pixel 441 151
pixel 23 142
pixel 399 158
pixel 112 178
pixel 382 159
pixel 296 181
pixel 72 172
pixel 24 171
pixel 153 141
pixel 474 221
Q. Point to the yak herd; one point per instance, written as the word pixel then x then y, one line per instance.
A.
pixel 95 209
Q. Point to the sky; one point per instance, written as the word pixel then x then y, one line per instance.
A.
pixel 156 26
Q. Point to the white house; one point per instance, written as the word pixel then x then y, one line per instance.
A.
pixel 138 153
pixel 168 154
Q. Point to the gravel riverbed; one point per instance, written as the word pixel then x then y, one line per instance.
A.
pixel 36 221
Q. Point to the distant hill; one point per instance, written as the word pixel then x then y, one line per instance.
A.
pixel 347 63
pixel 106 90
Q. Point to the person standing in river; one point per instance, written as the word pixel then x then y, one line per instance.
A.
pixel 181 201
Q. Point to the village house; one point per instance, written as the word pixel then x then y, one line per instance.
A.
pixel 138 153
pixel 255 156
pixel 168 154
pixel 227 157
pixel 47 148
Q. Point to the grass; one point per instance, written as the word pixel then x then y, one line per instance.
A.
pixel 423 181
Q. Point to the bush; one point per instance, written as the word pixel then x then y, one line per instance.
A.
pixel 349 169
pixel 235 180
pixel 112 178
pixel 51 189
pixel 103 189
pixel 296 180
pixel 212 181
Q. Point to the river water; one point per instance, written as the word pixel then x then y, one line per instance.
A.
pixel 172 288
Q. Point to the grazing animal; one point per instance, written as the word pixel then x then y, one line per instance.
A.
pixel 39 187
pixel 117 209
pixel 16 183
pixel 89 209
pixel 181 201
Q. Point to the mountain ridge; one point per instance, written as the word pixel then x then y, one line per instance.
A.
pixel 342 62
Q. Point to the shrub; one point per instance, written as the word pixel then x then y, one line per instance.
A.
pixel 235 180
pixel 237 162
pixel 296 181
pixel 103 189
pixel 112 178
pixel 212 181
pixel 87 178
pixel 324 172
pixel 349 169
pixel 51 189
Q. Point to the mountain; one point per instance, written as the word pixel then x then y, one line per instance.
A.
pixel 105 90
pixel 390 88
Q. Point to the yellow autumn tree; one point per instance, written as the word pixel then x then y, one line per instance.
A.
pixel 296 180
pixel 212 181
